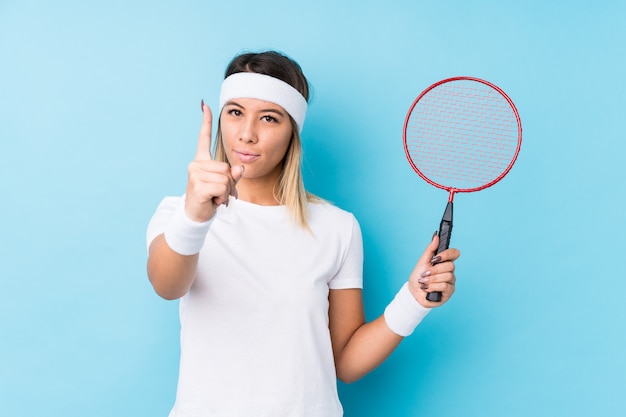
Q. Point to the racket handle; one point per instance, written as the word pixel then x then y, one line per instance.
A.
pixel 445 232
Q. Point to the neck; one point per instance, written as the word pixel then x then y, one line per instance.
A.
pixel 257 192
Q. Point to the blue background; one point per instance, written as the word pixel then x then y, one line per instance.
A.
pixel 99 109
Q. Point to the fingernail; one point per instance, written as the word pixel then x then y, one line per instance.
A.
pixel 202 105
pixel 425 274
pixel 423 280
pixel 424 287
pixel 434 234
pixel 435 260
pixel 235 194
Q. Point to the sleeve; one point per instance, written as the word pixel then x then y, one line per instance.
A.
pixel 350 274
pixel 161 218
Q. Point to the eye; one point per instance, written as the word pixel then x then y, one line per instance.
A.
pixel 269 119
pixel 234 112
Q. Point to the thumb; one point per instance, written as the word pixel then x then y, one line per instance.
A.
pixel 429 252
pixel 236 173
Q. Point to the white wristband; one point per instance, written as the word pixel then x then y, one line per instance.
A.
pixel 404 312
pixel 183 235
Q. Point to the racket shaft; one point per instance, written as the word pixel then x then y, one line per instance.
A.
pixel 445 232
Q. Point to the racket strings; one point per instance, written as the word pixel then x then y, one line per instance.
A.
pixel 462 134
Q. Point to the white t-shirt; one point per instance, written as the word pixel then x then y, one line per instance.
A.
pixel 254 325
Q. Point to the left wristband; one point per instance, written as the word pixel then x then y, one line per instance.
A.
pixel 404 312
pixel 183 235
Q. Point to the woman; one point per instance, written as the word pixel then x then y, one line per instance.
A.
pixel 268 275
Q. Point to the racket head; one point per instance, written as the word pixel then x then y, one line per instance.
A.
pixel 462 134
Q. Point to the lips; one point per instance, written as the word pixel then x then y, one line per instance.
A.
pixel 246 156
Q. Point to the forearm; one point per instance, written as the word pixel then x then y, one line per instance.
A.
pixel 368 347
pixel 170 273
pixel 359 346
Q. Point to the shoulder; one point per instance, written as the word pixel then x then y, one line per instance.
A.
pixel 161 217
pixel 339 232
pixel 326 218
pixel 166 208
pixel 169 202
pixel 323 210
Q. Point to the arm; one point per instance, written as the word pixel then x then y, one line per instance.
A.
pixel 359 347
pixel 173 255
pixel 171 274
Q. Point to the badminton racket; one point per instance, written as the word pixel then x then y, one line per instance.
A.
pixel 461 134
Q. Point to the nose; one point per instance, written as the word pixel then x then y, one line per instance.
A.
pixel 248 131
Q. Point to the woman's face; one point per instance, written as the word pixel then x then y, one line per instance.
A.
pixel 256 134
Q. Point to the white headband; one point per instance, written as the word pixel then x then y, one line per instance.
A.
pixel 266 88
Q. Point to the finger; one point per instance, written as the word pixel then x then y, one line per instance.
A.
pixel 208 171
pixel 445 289
pixel 203 153
pixel 442 277
pixel 423 265
pixel 202 175
pixel 429 252
pixel 451 254
pixel 421 290
pixel 237 174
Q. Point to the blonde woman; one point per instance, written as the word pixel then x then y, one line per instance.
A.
pixel 269 277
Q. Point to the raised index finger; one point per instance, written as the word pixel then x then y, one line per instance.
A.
pixel 203 153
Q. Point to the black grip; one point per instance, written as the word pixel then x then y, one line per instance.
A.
pixel 445 232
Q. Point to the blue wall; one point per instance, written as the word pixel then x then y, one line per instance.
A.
pixel 99 110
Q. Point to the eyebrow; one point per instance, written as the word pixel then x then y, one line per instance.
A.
pixel 268 110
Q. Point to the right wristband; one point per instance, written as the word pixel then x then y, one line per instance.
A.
pixel 404 312
pixel 183 235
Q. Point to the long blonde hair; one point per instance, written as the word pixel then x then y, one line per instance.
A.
pixel 289 189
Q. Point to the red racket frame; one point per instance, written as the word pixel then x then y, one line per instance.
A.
pixel 452 190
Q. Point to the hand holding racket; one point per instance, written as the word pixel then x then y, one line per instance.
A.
pixel 461 134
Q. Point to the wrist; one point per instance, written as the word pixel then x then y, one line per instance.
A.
pixel 404 313
pixel 183 235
